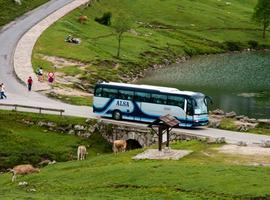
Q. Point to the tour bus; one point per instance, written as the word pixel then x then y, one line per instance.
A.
pixel 147 103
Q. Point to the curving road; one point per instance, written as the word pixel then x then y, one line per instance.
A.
pixel 9 37
pixel 18 94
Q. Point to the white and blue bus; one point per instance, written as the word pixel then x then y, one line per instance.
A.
pixel 147 103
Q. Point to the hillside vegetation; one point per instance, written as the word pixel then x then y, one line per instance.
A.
pixel 9 10
pixel 161 32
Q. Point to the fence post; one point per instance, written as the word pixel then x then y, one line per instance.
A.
pixel 15 107
pixel 39 110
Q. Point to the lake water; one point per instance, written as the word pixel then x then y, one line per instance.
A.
pixel 237 82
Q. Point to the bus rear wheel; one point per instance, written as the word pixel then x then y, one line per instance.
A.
pixel 117 115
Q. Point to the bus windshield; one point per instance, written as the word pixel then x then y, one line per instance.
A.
pixel 200 106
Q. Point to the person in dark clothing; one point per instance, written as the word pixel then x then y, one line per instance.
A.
pixel 30 83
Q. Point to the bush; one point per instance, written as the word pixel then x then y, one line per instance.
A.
pixel 233 46
pixel 253 44
pixel 105 19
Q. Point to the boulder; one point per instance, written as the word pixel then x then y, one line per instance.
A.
pixel 214 123
pixel 242 144
pixel 78 127
pixel 230 115
pixel 220 140
pixel 265 144
pixel 218 112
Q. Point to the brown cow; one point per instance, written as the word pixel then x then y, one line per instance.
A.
pixel 81 152
pixel 119 146
pixel 22 170
pixel 83 19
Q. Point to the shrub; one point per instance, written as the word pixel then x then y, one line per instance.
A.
pixel 105 19
pixel 253 44
pixel 233 46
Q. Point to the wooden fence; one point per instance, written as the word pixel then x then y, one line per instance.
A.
pixel 16 106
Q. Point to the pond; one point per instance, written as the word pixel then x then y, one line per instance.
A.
pixel 237 82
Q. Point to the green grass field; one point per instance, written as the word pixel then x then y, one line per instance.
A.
pixel 161 30
pixel 197 176
pixel 9 10
pixel 24 143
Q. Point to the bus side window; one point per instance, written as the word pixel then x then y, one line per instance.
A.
pixel 126 95
pixel 98 92
pixel 159 98
pixel 176 101
pixel 190 110
pixel 142 96
pixel 109 93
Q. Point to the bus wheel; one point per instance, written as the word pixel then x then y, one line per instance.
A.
pixel 117 115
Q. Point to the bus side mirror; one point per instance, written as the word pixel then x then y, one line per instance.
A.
pixel 208 100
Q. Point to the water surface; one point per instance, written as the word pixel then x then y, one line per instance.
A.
pixel 236 81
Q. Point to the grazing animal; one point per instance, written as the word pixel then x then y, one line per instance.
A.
pixel 83 19
pixel 119 146
pixel 81 152
pixel 22 170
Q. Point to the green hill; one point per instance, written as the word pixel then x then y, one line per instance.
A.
pixel 161 32
pixel 9 10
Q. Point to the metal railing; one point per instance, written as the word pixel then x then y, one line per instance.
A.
pixel 16 106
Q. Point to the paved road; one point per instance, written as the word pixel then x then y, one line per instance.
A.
pixel 16 91
pixel 18 94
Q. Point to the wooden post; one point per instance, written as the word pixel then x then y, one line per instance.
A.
pixel 39 110
pixel 160 138
pixel 168 137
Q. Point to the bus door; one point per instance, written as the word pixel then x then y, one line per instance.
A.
pixel 137 115
pixel 189 112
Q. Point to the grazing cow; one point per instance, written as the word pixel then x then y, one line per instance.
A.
pixel 81 152
pixel 83 19
pixel 22 170
pixel 119 146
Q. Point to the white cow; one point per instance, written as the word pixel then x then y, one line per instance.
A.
pixel 81 152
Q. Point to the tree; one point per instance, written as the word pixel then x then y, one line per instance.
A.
pixel 121 25
pixel 262 14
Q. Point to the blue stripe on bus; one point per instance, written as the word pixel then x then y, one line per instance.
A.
pixel 137 112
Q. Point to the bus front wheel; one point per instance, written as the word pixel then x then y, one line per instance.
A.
pixel 117 115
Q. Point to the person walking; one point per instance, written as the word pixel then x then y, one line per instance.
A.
pixel 30 83
pixel 2 91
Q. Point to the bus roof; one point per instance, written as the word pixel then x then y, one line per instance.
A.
pixel 151 87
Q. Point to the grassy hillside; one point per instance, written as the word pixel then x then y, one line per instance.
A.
pixel 161 31
pixel 28 143
pixel 9 10
pixel 202 175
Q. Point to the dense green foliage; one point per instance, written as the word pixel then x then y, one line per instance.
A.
pixel 197 176
pixel 9 10
pixel 23 143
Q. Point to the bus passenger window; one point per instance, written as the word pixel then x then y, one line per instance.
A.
pixel 159 98
pixel 142 96
pixel 190 110
pixel 176 101
pixel 126 95
pixel 109 93
pixel 98 92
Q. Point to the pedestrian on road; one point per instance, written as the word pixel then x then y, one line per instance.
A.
pixel 2 91
pixel 30 83
pixel 40 74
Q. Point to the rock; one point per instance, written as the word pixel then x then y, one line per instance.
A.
pixel 71 132
pixel 230 115
pixel 88 120
pixel 239 117
pixel 241 143
pixel 32 190
pixel 220 140
pixel 264 122
pixel 252 120
pixel 218 112
pixel 265 144
pixel 214 123
pixel 23 183
pixel 78 127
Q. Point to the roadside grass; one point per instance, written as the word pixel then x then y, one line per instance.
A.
pixel 119 177
pixel 10 10
pixel 29 143
pixel 75 100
